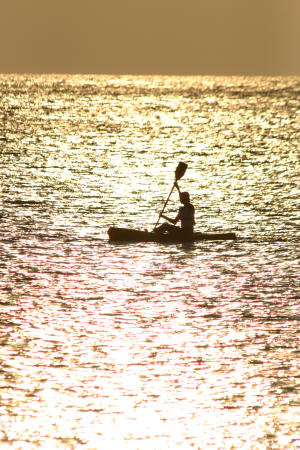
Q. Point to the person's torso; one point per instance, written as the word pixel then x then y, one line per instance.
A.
pixel 187 216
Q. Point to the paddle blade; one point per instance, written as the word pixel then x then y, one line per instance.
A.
pixel 180 170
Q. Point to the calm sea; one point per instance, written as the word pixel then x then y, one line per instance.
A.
pixel 149 346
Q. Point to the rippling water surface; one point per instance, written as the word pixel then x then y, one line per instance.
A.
pixel 148 345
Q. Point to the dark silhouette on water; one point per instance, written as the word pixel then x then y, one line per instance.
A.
pixel 169 232
pixel 186 215
pixel 130 235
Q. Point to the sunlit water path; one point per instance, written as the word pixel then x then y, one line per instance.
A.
pixel 148 345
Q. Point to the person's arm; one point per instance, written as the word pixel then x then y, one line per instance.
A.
pixel 173 221
pixel 177 187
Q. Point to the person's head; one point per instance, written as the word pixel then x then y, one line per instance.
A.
pixel 185 198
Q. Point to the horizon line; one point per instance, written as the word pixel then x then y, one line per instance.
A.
pixel 112 74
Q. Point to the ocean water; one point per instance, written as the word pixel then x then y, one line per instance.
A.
pixel 149 346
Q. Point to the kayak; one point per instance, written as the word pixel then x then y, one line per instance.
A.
pixel 131 235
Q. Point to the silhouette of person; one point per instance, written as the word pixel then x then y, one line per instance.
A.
pixel 186 215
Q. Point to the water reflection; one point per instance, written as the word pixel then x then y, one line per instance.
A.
pixel 148 345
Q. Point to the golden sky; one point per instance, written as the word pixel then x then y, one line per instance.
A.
pixel 180 37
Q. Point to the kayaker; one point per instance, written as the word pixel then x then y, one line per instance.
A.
pixel 186 215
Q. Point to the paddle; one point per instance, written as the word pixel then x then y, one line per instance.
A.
pixel 179 172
